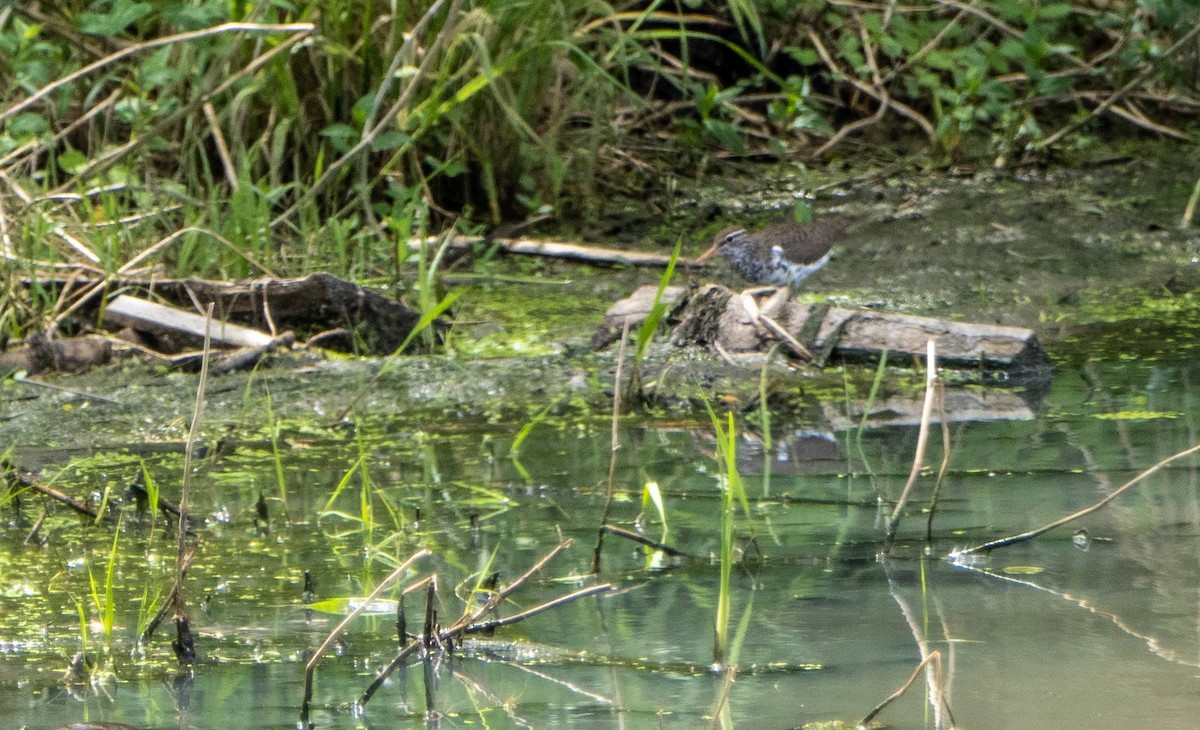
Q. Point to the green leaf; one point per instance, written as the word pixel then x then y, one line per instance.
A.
pixel 802 56
pixel 727 134
pixel 1055 11
pixel 28 124
pixel 388 141
pixel 349 604
pixel 72 161
pixel 342 135
pixel 1013 49
pixel 121 15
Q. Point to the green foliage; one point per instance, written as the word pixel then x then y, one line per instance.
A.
pixel 299 147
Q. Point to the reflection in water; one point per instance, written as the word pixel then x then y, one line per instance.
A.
pixel 1091 625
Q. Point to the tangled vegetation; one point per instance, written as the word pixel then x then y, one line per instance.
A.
pixel 236 138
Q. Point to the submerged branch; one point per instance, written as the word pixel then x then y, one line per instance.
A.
pixel 1005 541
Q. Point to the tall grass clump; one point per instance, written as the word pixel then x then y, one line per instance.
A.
pixel 281 126
pixel 237 139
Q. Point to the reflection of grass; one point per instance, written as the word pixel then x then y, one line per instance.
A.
pixel 731 488
pixel 514 451
pixel 151 493
pixel 276 455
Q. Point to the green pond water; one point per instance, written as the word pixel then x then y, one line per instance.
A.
pixel 1041 634
pixel 1095 629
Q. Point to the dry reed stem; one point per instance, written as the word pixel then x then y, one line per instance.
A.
pixel 904 110
pixel 468 622
pixel 934 657
pixel 941 475
pixel 402 102
pixel 540 608
pixel 161 244
pixel 214 128
pixel 102 163
pixel 34 146
pixel 189 449
pixel 616 446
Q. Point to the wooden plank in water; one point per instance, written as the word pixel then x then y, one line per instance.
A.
pixel 128 311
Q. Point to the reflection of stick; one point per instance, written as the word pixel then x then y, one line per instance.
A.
pixel 1004 541
pixel 941 477
pixel 615 446
pixel 935 657
pixel 943 717
pixel 922 441
pixel 1157 646
pixel 311 666
pixel 469 622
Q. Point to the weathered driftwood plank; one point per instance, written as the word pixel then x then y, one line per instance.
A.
pixel 867 333
pixel 144 316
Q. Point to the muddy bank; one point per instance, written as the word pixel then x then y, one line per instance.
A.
pixel 1089 258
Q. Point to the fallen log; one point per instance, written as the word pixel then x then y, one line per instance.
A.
pixel 714 316
pixel 349 317
pixel 633 310
pixel 159 319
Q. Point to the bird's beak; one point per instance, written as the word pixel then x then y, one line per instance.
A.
pixel 707 254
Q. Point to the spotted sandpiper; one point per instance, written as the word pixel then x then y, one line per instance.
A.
pixel 779 254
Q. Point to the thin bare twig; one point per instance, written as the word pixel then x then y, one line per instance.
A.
pixel 311 666
pixel 903 109
pixel 643 540
pixel 368 138
pixel 934 656
pixel 1002 542
pixel 616 446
